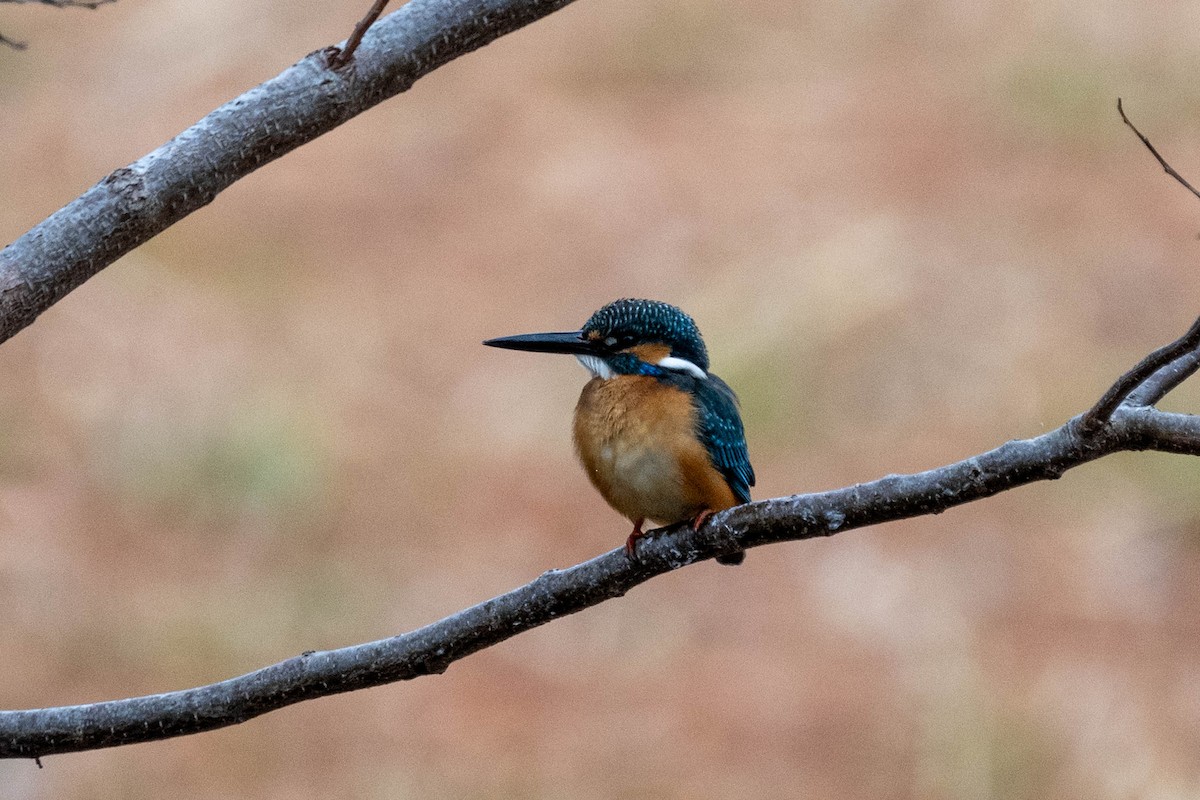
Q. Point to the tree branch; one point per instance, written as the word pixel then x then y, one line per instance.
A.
pixel 1158 385
pixel 430 650
pixel 1167 168
pixel 1137 377
pixel 1165 368
pixel 136 202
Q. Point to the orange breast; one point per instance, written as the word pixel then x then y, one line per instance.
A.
pixel 637 441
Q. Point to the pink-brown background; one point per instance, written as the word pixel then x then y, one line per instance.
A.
pixel 909 230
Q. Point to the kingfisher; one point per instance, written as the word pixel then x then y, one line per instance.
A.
pixel 659 435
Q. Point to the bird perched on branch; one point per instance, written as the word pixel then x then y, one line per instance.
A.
pixel 659 435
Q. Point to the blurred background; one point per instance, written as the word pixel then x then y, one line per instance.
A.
pixel 910 231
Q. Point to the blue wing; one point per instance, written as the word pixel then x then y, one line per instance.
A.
pixel 722 434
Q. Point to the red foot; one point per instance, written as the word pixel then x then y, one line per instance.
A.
pixel 631 542
pixel 701 517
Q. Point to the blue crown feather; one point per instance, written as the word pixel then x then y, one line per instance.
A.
pixel 631 321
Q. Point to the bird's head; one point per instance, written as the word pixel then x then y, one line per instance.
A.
pixel 626 337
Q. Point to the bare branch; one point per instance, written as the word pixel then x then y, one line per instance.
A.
pixel 1157 374
pixel 342 58
pixel 1162 430
pixel 1161 383
pixel 306 100
pixel 1145 369
pixel 431 650
pixel 1166 167
pixel 1164 369
pixel 15 45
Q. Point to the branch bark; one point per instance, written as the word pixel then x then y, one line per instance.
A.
pixel 430 650
pixel 138 201
pixel 1155 364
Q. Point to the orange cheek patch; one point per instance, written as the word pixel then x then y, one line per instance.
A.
pixel 650 353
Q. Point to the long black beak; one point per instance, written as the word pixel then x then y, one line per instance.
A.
pixel 572 342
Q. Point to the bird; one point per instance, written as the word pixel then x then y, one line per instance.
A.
pixel 660 437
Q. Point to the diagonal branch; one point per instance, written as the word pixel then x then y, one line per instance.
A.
pixel 430 650
pixel 1137 377
pixel 1161 161
pixel 1161 383
pixel 1165 368
pixel 308 99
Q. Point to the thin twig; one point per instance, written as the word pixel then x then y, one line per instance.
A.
pixel 15 45
pixel 1166 167
pixel 346 53
pixel 1100 413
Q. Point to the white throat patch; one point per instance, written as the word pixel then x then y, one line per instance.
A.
pixel 596 365
pixel 600 368
pixel 682 365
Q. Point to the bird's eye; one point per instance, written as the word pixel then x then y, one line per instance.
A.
pixel 610 341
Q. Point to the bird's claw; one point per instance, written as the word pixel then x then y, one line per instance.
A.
pixel 631 546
